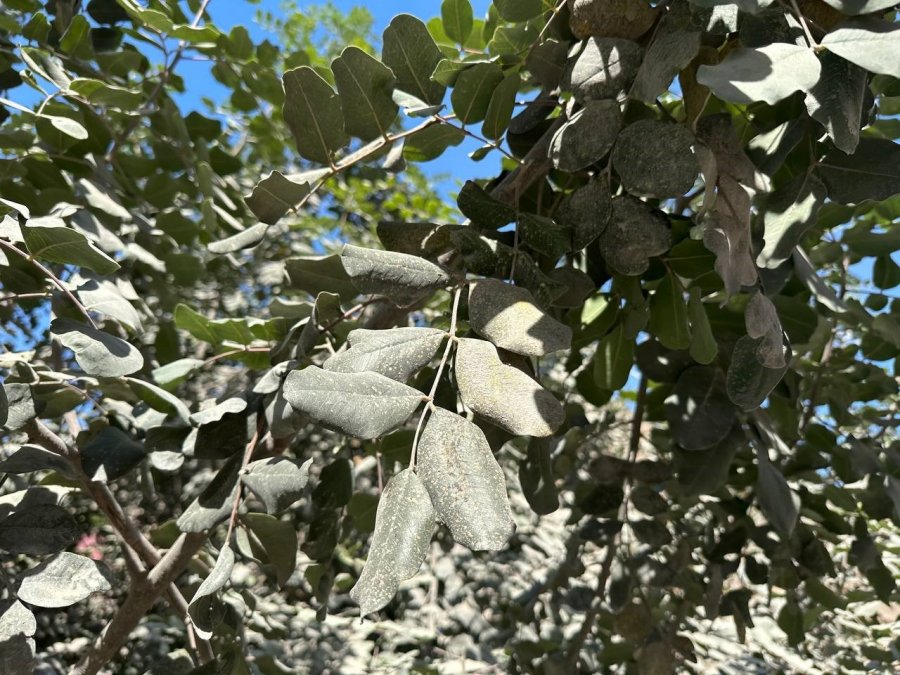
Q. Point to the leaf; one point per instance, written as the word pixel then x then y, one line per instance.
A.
pixel 62 581
pixel 508 316
pixel 726 232
pixel 277 481
pixel 464 481
pixel 655 159
pixel 65 245
pixel 473 90
pixel 536 477
pixel 403 279
pixel 613 359
pixel 69 127
pixel 397 353
pixel 410 52
pixel 237 242
pixel 604 68
pixel 668 314
pixel 519 10
pixel 587 212
pixel 102 295
pixel 885 272
pixel 403 526
pixel 214 504
pixel 276 194
pixel 457 19
pixel 670 52
pixel 611 18
pixel 703 472
pixel 635 234
pixel 96 352
pixel 790 620
pixel 30 458
pixel 587 136
pixel 780 504
pixel 431 142
pixel 762 322
pixel 158 398
pixel 872 172
pixel 836 101
pixel 173 374
pixel 17 406
pixel 698 410
pixel 366 405
pixel 16 654
pixel 704 347
pixel 312 111
pixel 749 382
pixel 279 541
pixel 103 94
pixel 364 87
pixel 222 429
pixel 200 608
pixel 789 212
pixel 317 274
pixel 500 109
pixel 770 73
pixel 868 42
pixel 335 487
pixel 482 209
pixel 502 394
pixel 41 529
pixel 854 7
pixel 16 619
pixel 111 454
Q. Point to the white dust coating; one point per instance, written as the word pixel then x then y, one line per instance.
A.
pixel 466 484
pixel 365 405
pixel 397 353
pixel 403 526
pixel 401 278
pixel 509 317
pixel 502 394
pixel 761 319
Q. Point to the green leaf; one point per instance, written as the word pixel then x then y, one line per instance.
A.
pixel 366 405
pixel 276 194
pixel 704 347
pixel 97 353
pixel 536 477
pixel 76 41
pixel 68 126
pixel 403 526
pixel 410 52
pixel 484 211
pixel 703 472
pixel 30 458
pixel 770 73
pixel 103 94
pixel 403 279
pixel 587 136
pixel 656 159
pixel 456 17
pixel 41 529
pixel 201 606
pixel 277 481
pixel 431 142
pixel 836 102
pixel 868 42
pixel 110 454
pixel 789 212
pixel 668 314
pixel 699 412
pixel 502 394
pixel 500 109
pixel 886 273
pixel 62 581
pixel 312 111
pixel 466 485
pixel 315 275
pixel 635 234
pixel 65 245
pixel 509 317
pixel 159 399
pixel 173 374
pixel 397 353
pixel 790 620
pixel 278 540
pixel 473 90
pixel 603 69
pixel 519 10
pixel 872 172
pixel 777 501
pixel 364 86
pixel 613 360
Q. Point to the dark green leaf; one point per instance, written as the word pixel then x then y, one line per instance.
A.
pixel 780 504
pixel 457 19
pixel 613 359
pixel 473 90
pixel 279 541
pixel 315 275
pixel 500 109
pixel 364 87
pixel 111 454
pixel 704 347
pixel 699 412
pixel 482 209
pixel 214 504
pixel 312 111
pixel 872 172
pixel 536 477
pixel 836 101
pixel 276 194
pixel 431 142
pixel 409 50
pixel 64 245
pixel 669 315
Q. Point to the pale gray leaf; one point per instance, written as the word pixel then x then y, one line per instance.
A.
pixel 587 212
pixel 216 412
pixel 855 7
pixel 16 619
pixel 587 136
pixel 635 234
pixel 213 505
pixel 397 353
pixel 836 102
pixel 404 522
pixel 63 580
pixel 244 239
pixel 603 68
pixel 509 317
pixel 502 394
pixel 18 405
pixel 277 481
pixel 41 529
pixel 610 18
pixel 761 319
pixel 366 405
pixel 102 295
pixel 656 159
pixel 868 42
pixel 200 607
pixel 466 485
pixel 748 381
pixel 97 353
pixel 770 73
pixel 789 212
pixel 726 232
pixel 403 279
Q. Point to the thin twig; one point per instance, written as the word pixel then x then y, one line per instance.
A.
pixel 802 19
pixel 248 453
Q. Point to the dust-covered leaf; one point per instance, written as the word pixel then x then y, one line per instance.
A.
pixel 655 159
pixel 869 42
pixel 364 87
pixel 397 353
pixel 872 172
pixel 63 580
pixel 836 101
pixel 277 481
pixel 312 111
pixel 604 68
pixel 200 608
pixel 401 278
pixel 635 234
pixel 587 136
pixel 97 353
pixel 761 319
pixel 473 90
pixel 748 381
pixel 698 410
pixel 40 529
pixel 409 50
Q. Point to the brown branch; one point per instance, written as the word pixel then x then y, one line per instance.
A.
pixel 535 164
